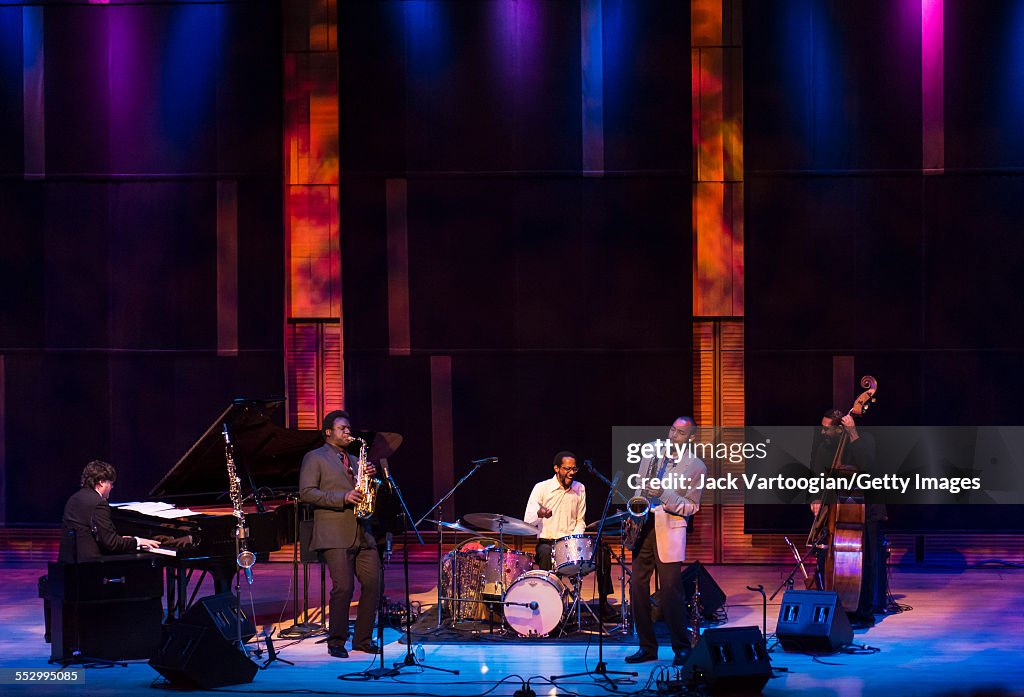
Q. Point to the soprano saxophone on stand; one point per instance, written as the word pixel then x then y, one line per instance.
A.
pixel 246 559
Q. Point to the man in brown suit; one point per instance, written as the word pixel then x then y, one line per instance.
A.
pixel 327 481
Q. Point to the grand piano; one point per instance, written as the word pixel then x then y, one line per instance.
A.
pixel 267 459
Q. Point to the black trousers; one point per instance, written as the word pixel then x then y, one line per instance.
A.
pixel 345 565
pixel 671 604
pixel 542 554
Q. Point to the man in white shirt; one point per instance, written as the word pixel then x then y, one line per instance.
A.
pixel 557 507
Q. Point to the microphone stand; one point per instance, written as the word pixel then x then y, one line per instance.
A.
pixel 601 669
pixel 410 657
pixel 624 625
pixel 440 559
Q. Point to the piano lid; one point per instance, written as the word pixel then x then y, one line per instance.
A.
pixel 272 453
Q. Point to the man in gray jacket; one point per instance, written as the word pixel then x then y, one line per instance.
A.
pixel 327 481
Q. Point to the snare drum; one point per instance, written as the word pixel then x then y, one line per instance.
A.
pixel 572 554
pixel 543 591
pixel 515 564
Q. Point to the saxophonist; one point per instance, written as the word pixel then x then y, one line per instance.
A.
pixel 327 480
pixel 661 544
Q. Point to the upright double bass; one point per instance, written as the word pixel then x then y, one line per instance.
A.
pixel 838 527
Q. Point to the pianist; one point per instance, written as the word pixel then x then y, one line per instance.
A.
pixel 87 532
pixel 327 480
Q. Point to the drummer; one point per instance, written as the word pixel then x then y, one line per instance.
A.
pixel 556 507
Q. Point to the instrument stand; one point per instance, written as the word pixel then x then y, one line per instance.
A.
pixel 789 579
pixel 440 557
pixel 601 669
pixel 410 657
pixel 272 654
pixel 764 609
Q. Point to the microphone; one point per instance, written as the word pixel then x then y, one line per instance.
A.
pixel 589 465
pixel 484 461
pixel 248 574
pixel 534 605
pixel 384 467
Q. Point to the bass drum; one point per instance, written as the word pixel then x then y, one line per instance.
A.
pixel 468 561
pixel 495 577
pixel 535 603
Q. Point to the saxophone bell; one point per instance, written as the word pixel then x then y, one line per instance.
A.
pixel 638 507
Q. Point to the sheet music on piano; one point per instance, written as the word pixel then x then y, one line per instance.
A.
pixel 157 509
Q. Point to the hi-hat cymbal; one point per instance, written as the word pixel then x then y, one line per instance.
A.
pixel 496 522
pixel 451 526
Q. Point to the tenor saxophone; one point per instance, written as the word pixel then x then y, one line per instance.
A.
pixel 365 484
pixel 638 509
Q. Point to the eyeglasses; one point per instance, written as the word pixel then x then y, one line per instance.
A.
pixel 570 470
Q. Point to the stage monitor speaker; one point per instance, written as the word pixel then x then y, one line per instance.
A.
pixel 112 631
pixel 712 598
pixel 812 622
pixel 729 660
pixel 193 657
pixel 221 613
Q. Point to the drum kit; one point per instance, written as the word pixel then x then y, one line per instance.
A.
pixel 482 579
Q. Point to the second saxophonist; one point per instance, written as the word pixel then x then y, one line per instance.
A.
pixel 327 480
pixel 661 545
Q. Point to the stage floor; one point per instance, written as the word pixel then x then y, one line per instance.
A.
pixel 964 634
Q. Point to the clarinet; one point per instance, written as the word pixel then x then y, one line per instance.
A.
pixel 245 559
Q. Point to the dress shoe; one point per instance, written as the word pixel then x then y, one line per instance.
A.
pixel 641 656
pixel 367 647
pixel 337 650
pixel 680 659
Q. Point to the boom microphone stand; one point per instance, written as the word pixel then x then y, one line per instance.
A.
pixel 601 668
pixel 440 561
pixel 627 575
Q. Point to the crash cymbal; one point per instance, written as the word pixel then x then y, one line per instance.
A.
pixel 496 522
pixel 451 526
